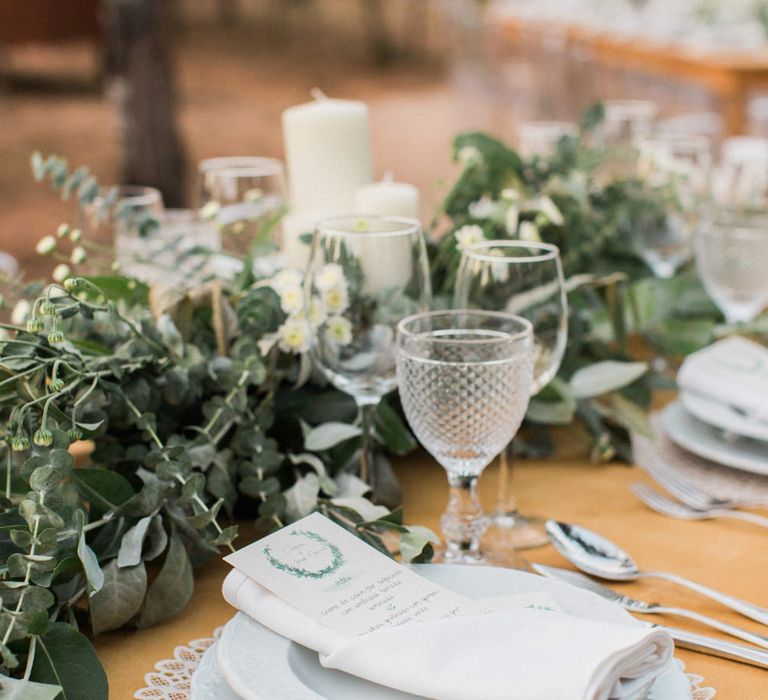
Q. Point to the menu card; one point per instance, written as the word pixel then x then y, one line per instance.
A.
pixel 331 575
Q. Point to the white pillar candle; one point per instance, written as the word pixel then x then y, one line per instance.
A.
pixel 387 197
pixel 328 153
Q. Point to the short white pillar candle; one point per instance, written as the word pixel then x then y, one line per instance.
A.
pixel 390 198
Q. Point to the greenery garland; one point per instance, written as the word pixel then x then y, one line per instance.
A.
pixel 200 412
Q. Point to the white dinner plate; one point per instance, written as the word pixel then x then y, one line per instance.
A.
pixel 703 440
pixel 261 665
pixel 207 682
pixel 719 415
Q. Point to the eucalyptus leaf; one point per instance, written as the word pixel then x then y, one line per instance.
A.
pixel 172 589
pixel 120 597
pixel 603 377
pixel 326 435
pixel 132 543
pixel 90 562
pixel 66 658
pixel 366 509
pixel 105 490
pixel 301 498
pixel 20 689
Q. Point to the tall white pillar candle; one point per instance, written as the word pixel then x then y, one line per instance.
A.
pixel 328 154
pixel 387 197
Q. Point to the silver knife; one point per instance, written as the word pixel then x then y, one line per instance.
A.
pixel 687 640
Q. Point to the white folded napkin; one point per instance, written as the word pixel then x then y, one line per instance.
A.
pixel 733 371
pixel 513 655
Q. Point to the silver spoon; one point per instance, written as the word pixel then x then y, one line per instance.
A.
pixel 600 557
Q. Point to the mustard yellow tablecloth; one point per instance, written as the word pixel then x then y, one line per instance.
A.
pixel 732 556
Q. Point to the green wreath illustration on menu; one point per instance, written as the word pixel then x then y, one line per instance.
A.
pixel 300 572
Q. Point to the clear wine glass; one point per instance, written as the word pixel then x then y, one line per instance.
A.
pixel 523 278
pixel 731 251
pixel 676 168
pixel 465 381
pixel 741 178
pixel 365 274
pixel 244 196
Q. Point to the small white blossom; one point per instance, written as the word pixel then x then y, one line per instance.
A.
pixel 529 232
pixel 61 272
pixel 292 299
pixel 21 312
pixel 468 235
pixel 75 235
pixel 285 279
pixel 209 210
pixel 317 312
pixel 339 329
pixel 484 208
pixel 509 194
pixel 470 157
pixel 331 275
pixel 79 255
pixel 336 299
pixel 549 209
pixel 253 195
pixel 62 231
pixel 46 245
pixel 293 336
pixel 511 220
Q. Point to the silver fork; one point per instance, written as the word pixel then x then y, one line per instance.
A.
pixel 692 495
pixel 661 504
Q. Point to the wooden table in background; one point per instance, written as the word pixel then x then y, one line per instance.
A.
pixel 730 75
pixel 732 556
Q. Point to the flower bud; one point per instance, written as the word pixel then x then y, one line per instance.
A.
pixel 43 438
pixel 55 337
pixel 56 385
pixel 35 325
pixel 47 309
pixel 46 245
pixel 76 235
pixel 62 231
pixel 74 434
pixel 19 443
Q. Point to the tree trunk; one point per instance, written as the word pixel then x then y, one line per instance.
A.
pixel 141 81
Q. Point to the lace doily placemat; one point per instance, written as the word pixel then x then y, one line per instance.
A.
pixel 710 477
pixel 172 677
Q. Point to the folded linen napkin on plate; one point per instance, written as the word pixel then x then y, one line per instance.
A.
pixel 733 371
pixel 521 654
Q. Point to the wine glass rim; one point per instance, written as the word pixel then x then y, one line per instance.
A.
pixel 333 225
pixel 552 252
pixel 526 332
pixel 252 166
pixel 754 223
pixel 138 195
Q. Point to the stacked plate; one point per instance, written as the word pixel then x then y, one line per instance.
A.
pixel 251 662
pixel 722 412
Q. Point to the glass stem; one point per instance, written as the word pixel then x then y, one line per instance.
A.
pixel 463 522
pixel 367 459
pixel 507 503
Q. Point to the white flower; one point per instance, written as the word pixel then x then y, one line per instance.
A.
pixel 509 194
pixel 209 210
pixel 75 235
pixel 470 157
pixel 336 299
pixel 20 312
pixel 285 279
pixel 79 255
pixel 339 329
pixel 484 208
pixel 511 220
pixel 499 270
pixel 317 312
pixel 293 336
pixel 46 245
pixel 61 272
pixel 331 275
pixel 529 232
pixel 253 195
pixel 549 209
pixel 62 231
pixel 468 235
pixel 292 299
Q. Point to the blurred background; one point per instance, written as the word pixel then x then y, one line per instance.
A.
pixel 142 90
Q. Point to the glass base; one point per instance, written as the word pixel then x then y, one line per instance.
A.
pixel 504 558
pixel 511 530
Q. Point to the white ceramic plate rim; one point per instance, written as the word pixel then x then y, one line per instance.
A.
pixel 720 416
pixel 261 665
pixel 703 440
